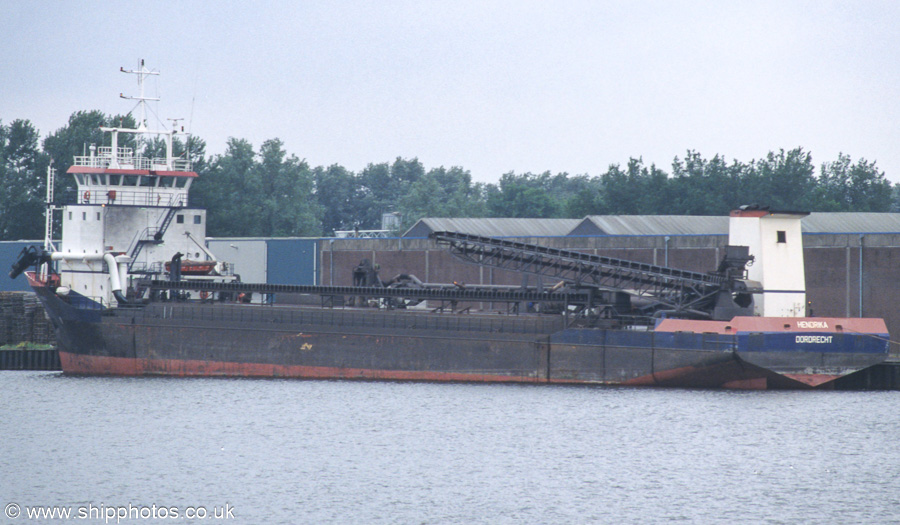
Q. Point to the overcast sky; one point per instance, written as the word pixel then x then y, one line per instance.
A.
pixel 493 87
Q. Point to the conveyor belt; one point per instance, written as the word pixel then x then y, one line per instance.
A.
pixel 570 266
pixel 667 288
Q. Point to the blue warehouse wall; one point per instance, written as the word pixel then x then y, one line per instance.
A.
pixel 291 261
pixel 9 253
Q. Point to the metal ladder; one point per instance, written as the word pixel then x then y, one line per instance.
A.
pixel 151 235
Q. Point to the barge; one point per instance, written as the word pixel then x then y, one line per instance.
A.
pixel 124 302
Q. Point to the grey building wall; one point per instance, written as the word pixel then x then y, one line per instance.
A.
pixel 248 256
pixel 277 261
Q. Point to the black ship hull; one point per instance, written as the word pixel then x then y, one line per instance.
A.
pixel 249 340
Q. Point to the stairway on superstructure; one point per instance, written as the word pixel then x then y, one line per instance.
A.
pixel 152 235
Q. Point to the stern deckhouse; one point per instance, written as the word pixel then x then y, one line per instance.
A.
pixel 131 211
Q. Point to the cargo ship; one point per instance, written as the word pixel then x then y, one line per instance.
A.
pixel 133 290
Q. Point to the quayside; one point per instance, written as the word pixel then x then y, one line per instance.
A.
pixel 132 289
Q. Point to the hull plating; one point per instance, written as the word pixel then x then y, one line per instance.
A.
pixel 189 339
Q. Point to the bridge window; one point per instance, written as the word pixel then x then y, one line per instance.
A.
pixel 96 179
pixel 115 180
pixel 166 182
pixel 131 180
pixel 197 219
pixel 79 179
pixel 179 219
pixel 782 236
pixel 180 181
pixel 147 181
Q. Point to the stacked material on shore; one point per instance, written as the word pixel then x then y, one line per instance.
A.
pixel 23 320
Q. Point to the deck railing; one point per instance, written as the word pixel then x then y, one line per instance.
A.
pixel 160 197
pixel 126 159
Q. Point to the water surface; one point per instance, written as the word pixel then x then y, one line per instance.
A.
pixel 291 451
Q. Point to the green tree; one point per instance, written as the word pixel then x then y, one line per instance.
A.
pixel 637 190
pixel 705 187
pixel 337 193
pixel 285 188
pixel 860 187
pixel 620 194
pixel 784 180
pixel 194 150
pixel 227 192
pixel 272 192
pixel 895 198
pixel 268 194
pixel 381 188
pixel 442 192
pixel 587 201
pixel 576 195
pixel 376 196
pixel 657 187
pixel 71 140
pixel 522 196
pixel 23 172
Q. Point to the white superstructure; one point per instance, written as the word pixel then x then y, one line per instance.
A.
pixel 130 211
pixel 775 241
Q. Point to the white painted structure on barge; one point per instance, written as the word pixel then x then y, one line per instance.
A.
pixel 776 243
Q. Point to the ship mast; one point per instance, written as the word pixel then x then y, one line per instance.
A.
pixel 119 154
pixel 48 217
pixel 141 73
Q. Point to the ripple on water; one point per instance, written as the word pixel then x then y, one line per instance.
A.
pixel 285 451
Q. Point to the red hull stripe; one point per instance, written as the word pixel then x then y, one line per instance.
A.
pixel 87 169
pixel 812 379
pixel 121 366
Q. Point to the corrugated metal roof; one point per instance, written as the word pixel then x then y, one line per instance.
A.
pixel 495 227
pixel 852 223
pixel 819 222
pixel 652 225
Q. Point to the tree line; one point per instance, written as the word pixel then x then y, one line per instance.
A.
pixel 269 192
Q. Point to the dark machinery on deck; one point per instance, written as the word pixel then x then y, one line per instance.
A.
pixel 591 290
pixel 621 289
pixel 29 256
